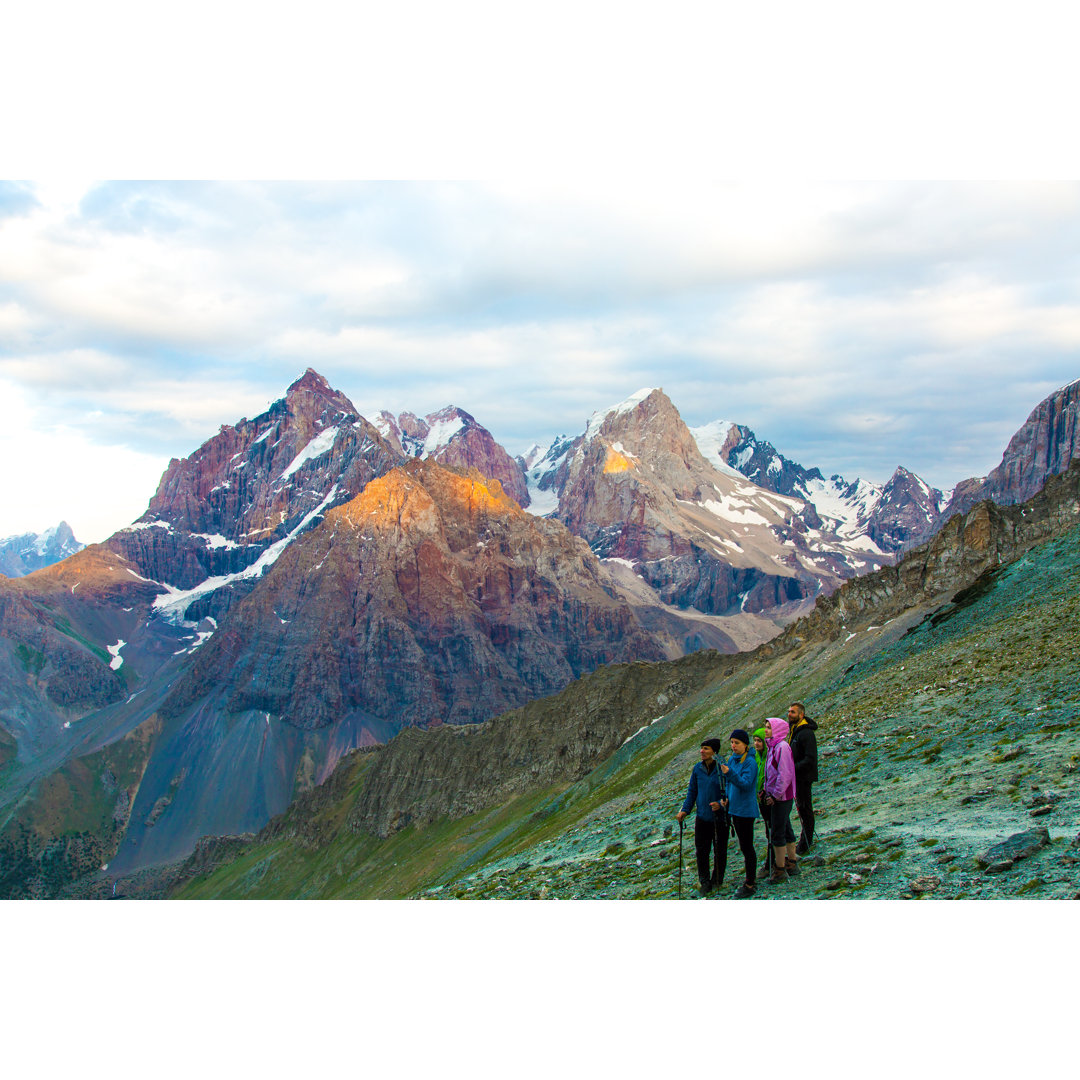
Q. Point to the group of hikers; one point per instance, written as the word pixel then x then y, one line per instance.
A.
pixel 764 777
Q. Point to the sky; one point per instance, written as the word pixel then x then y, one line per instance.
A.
pixel 856 325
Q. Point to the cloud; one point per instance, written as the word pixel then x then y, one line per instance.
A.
pixel 856 326
pixel 54 472
pixel 15 199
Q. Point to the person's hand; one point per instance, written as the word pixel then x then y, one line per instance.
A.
pixel 724 769
pixel 680 815
pixel 724 803
pixel 714 805
pixel 769 800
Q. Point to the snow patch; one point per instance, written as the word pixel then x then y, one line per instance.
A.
pixel 173 600
pixel 644 727
pixel 114 651
pixel 730 509
pixel 316 448
pixel 440 434
pixel 215 540
pixel 136 526
pixel 596 421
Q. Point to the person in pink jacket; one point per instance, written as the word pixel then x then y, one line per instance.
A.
pixel 779 796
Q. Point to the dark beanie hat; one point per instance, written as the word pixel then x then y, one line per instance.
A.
pixel 714 743
pixel 741 735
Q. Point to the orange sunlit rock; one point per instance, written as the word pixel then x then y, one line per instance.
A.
pixel 616 462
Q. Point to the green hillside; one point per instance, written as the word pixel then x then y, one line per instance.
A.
pixel 941 734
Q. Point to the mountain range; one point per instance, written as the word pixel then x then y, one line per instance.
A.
pixel 308 582
pixel 23 554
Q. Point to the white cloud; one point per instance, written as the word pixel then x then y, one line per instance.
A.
pixel 53 473
pixel 852 324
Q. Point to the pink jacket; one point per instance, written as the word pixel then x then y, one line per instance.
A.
pixel 779 764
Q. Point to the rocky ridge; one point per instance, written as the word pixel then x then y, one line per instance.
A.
pixel 451 436
pixel 220 517
pixel 891 518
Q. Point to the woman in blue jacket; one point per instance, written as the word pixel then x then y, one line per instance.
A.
pixel 740 773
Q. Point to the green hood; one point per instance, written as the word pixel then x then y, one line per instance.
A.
pixel 759 733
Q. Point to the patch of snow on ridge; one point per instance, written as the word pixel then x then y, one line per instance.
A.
pixel 440 434
pixel 710 439
pixel 596 421
pixel 541 503
pixel 135 526
pixel 730 509
pixel 173 600
pixel 831 499
pixel 114 651
pixel 316 448
pixel 644 727
pixel 216 540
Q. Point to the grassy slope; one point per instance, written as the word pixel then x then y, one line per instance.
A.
pixel 936 734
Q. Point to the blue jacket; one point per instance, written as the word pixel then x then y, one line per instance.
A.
pixel 741 785
pixel 704 788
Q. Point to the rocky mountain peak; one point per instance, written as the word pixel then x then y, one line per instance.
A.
pixel 313 398
pixel 453 437
pixel 23 554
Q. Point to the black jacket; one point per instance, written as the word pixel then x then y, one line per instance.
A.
pixel 804 752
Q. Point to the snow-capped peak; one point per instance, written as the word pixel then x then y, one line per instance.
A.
pixel 710 439
pixel 596 421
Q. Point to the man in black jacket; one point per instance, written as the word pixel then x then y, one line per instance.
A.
pixel 804 753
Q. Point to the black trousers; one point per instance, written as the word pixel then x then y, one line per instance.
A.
pixel 763 806
pixel 744 830
pixel 804 807
pixel 714 835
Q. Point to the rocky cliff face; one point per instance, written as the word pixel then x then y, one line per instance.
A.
pixel 906 512
pixel 546 742
pixel 452 437
pixel 637 487
pixel 430 597
pixel 21 555
pixel 65 634
pixel 1044 446
pixel 250 490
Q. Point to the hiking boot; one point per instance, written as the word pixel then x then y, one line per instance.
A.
pixel 802 847
pixel 704 887
pixel 778 876
pixel 792 867
pixel 765 871
pixel 744 891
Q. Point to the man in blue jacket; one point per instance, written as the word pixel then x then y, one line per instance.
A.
pixel 710 825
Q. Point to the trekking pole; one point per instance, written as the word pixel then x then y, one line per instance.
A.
pixel 680 859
